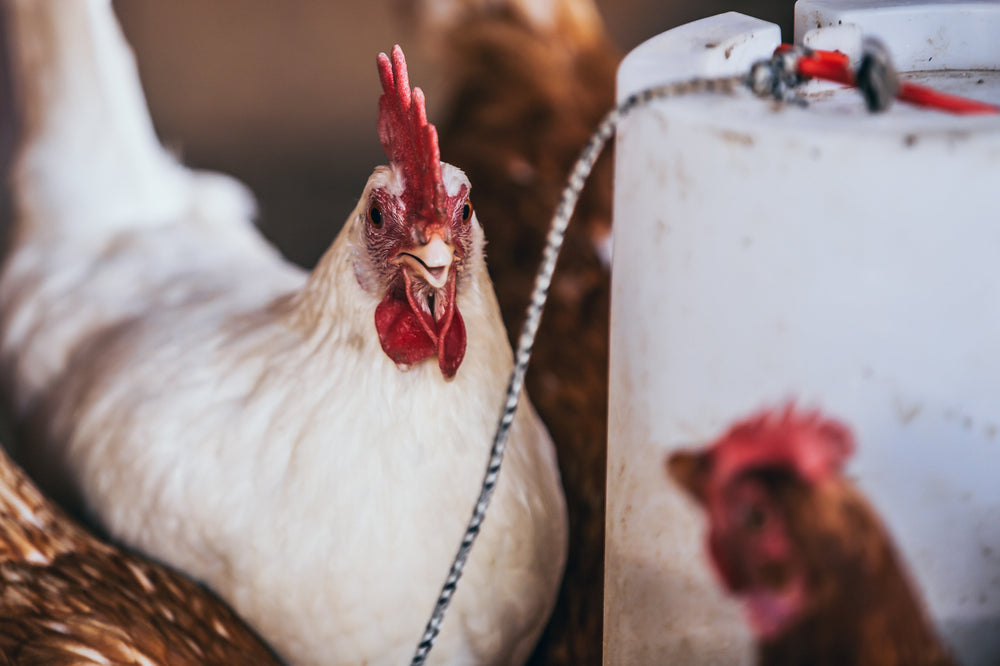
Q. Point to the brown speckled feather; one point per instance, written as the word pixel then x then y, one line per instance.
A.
pixel 67 598
pixel 525 102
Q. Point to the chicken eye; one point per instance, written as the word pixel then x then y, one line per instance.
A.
pixel 466 212
pixel 375 216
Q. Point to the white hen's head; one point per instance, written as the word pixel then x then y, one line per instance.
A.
pixel 417 231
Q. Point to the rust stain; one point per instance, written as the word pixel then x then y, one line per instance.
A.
pixel 907 413
pixel 736 137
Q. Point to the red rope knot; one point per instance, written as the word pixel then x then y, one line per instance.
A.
pixel 875 77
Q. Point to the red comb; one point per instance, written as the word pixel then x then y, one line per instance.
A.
pixel 409 141
pixel 810 445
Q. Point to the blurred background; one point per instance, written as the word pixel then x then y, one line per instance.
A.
pixel 283 95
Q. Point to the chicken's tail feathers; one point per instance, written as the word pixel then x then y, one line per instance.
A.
pixel 88 154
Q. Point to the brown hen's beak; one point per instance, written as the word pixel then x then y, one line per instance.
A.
pixel 431 261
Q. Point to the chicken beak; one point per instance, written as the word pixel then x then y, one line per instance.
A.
pixel 420 318
pixel 431 261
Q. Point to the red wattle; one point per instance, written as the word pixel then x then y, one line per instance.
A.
pixel 400 331
pixel 408 334
pixel 451 347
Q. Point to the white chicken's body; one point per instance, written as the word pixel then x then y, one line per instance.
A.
pixel 234 416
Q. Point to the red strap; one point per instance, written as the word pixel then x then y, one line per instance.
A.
pixel 928 97
pixel 835 66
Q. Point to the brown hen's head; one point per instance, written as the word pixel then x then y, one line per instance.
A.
pixel 418 230
pixel 744 481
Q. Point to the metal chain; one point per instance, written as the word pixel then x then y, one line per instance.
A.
pixel 567 204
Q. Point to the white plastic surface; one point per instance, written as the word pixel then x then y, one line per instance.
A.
pixel 925 35
pixel 846 260
pixel 724 45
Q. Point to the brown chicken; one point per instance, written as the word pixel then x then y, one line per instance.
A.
pixel 68 598
pixel 529 83
pixel 819 577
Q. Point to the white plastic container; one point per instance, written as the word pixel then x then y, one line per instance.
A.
pixel 849 261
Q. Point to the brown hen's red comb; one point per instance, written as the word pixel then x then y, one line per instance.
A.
pixel 409 141
pixel 806 443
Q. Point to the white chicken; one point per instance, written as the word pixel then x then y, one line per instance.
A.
pixel 309 445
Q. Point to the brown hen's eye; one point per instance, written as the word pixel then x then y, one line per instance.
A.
pixel 466 212
pixel 375 217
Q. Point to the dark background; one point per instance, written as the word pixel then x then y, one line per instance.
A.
pixel 283 94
